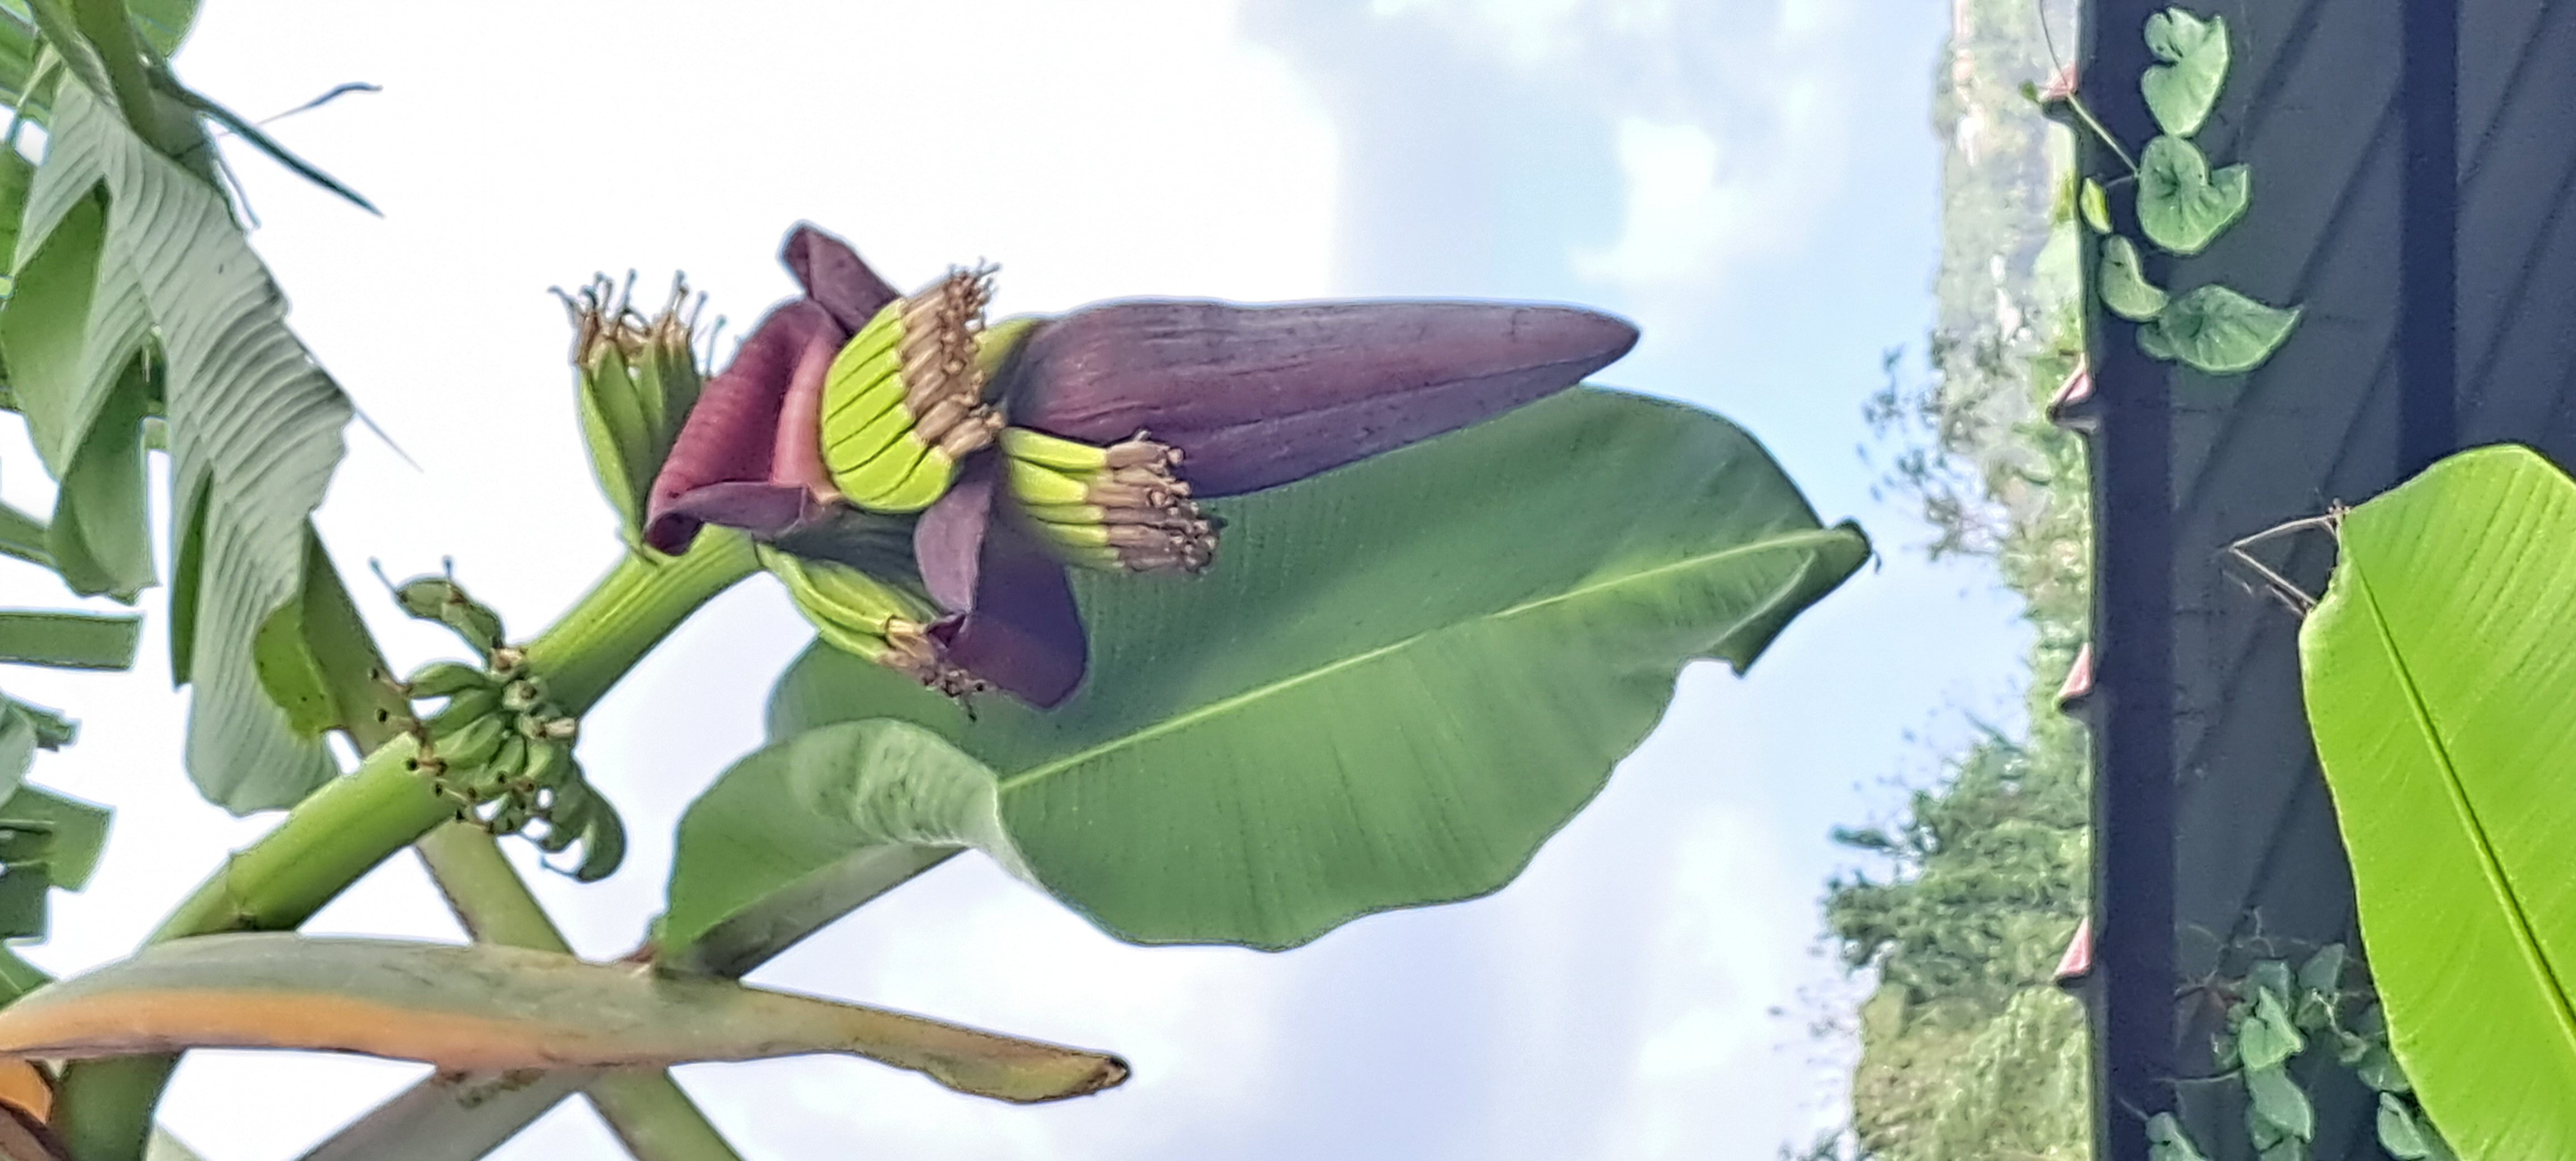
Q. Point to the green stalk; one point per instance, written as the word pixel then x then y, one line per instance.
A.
pixel 647 1110
pixel 630 610
pixel 347 828
pixel 2090 122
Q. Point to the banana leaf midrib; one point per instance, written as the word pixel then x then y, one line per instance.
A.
pixel 1221 706
pixel 2489 866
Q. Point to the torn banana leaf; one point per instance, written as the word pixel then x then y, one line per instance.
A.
pixel 490 1008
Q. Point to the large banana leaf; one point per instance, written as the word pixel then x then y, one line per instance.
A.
pixel 484 1006
pixel 462 1116
pixel 2441 685
pixel 1400 678
pixel 162 23
pixel 123 246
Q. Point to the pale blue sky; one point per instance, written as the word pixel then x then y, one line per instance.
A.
pixel 1754 181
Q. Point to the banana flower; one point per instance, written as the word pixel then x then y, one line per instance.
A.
pixel 1023 448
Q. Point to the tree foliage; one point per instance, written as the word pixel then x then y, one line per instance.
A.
pixel 1967 1052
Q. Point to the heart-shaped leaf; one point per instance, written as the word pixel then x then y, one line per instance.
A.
pixel 2399 1132
pixel 2270 975
pixel 2323 971
pixel 2217 331
pixel 2439 670
pixel 2268 1037
pixel 1401 678
pixel 2125 289
pixel 2379 1069
pixel 2181 91
pixel 2278 1099
pixel 2152 341
pixel 2167 1142
pixel 2181 204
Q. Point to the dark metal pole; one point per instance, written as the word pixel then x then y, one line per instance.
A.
pixel 2133 764
pixel 2427 258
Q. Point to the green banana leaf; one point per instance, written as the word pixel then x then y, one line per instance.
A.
pixel 2440 670
pixel 1400 679
pixel 127 244
pixel 18 45
pixel 462 1116
pixel 164 24
pixel 64 640
pixel 489 1007
pixel 23 536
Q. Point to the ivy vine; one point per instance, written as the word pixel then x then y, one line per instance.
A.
pixel 2182 206
pixel 2276 1015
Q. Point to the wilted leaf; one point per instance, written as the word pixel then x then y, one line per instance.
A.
pixel 1402 676
pixel 2438 672
pixel 2125 289
pixel 487 1007
pixel 101 535
pixel 21 1084
pixel 74 324
pixel 2181 90
pixel 2218 331
pixel 255 427
pixel 2181 204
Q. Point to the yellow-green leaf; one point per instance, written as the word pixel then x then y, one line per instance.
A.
pixel 2439 670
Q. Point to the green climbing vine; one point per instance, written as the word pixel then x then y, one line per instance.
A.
pixel 2277 1015
pixel 2182 206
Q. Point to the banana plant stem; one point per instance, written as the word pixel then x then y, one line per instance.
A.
pixel 647 1110
pixel 349 827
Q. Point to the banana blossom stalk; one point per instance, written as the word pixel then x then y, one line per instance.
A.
pixel 1088 440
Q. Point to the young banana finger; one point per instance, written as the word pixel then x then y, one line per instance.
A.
pixel 849 445
pixel 445 679
pixel 463 709
pixel 603 844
